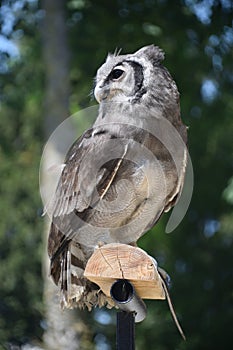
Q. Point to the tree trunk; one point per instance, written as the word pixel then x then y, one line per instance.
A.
pixel 56 59
pixel 63 329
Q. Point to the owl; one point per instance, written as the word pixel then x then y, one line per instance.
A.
pixel 121 174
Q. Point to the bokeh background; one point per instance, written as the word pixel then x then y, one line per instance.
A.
pixel 49 53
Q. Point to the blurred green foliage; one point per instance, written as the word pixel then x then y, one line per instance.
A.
pixel 197 37
pixel 20 206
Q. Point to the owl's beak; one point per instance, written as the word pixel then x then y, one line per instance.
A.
pixel 100 92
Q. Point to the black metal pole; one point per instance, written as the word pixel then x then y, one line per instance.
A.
pixel 132 310
pixel 125 331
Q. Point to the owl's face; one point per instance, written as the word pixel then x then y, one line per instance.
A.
pixel 122 78
pixel 115 82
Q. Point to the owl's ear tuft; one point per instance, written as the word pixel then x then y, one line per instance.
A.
pixel 115 54
pixel 152 52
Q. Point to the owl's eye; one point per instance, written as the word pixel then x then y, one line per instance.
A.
pixel 116 74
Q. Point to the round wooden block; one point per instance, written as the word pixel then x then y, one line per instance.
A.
pixel 121 261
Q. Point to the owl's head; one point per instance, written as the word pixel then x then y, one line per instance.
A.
pixel 131 77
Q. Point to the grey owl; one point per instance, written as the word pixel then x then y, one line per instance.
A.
pixel 120 175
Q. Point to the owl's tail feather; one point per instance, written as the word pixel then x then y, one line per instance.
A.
pixel 76 290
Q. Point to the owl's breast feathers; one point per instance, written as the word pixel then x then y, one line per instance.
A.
pixel 115 185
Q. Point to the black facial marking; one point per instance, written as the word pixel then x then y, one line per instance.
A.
pixel 138 74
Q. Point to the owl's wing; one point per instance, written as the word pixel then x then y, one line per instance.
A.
pixel 86 177
pixel 68 196
pixel 87 168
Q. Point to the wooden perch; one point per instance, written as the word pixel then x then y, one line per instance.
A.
pixel 116 261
